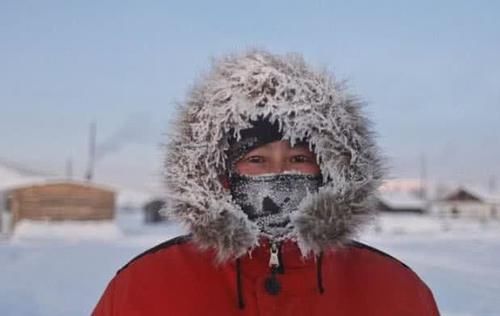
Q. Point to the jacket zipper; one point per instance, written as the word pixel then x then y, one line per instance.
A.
pixel 272 285
pixel 274 261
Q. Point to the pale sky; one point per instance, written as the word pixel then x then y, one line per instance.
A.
pixel 428 70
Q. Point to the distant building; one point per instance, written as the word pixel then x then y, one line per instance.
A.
pixel 4 215
pixel 466 203
pixel 402 185
pixel 152 211
pixel 400 202
pixel 443 199
pixel 58 201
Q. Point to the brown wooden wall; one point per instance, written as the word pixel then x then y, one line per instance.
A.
pixel 62 201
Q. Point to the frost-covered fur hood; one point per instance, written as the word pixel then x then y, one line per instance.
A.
pixel 307 104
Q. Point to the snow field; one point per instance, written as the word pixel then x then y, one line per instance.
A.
pixel 62 269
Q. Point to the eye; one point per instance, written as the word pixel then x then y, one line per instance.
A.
pixel 254 159
pixel 301 159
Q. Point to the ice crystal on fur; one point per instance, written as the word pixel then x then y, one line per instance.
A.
pixel 307 104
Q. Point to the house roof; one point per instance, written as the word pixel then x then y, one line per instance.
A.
pixel 462 194
pixel 471 193
pixel 11 177
pixel 402 200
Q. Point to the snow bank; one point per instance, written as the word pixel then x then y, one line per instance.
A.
pixel 66 230
pixel 425 225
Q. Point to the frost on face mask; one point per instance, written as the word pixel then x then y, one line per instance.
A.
pixel 268 200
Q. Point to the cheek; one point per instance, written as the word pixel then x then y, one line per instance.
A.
pixel 245 168
pixel 308 168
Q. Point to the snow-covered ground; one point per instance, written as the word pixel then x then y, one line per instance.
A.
pixel 62 269
pixel 459 260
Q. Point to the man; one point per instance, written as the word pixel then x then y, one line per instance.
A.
pixel 272 169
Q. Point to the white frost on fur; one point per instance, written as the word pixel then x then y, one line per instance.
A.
pixel 306 104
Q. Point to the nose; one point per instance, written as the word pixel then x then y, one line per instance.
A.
pixel 278 166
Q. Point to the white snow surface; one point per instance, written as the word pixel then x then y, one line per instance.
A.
pixel 402 200
pixel 28 230
pixel 62 268
pixel 10 177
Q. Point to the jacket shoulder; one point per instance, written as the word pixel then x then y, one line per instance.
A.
pixel 391 277
pixel 126 287
pixel 373 250
pixel 376 265
pixel 162 246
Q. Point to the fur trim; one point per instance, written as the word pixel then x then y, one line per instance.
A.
pixel 306 104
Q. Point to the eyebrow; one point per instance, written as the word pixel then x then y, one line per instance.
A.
pixel 301 147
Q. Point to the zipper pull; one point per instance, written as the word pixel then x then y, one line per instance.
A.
pixel 272 285
pixel 274 261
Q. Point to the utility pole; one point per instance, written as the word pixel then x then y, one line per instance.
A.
pixel 423 177
pixel 492 184
pixel 69 168
pixel 423 183
pixel 92 143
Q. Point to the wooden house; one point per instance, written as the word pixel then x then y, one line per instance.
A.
pixel 58 201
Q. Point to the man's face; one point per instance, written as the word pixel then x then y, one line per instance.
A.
pixel 278 157
pixel 270 182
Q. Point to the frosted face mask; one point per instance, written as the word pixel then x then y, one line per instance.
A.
pixel 268 200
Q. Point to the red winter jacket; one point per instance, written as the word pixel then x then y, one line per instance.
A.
pixel 176 278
